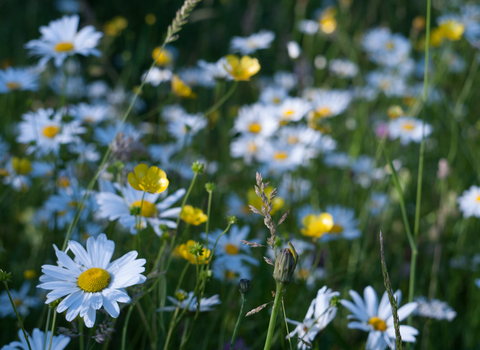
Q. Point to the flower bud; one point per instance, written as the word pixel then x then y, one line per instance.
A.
pixel 285 265
pixel 244 286
pixel 198 167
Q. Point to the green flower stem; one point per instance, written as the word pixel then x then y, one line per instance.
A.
pixel 139 218
pixel 239 320
pixel 80 338
pixel 286 325
pixel 413 261
pixel 222 100
pixel 16 313
pixel 53 329
pixel 125 326
pixel 273 316
pixel 47 325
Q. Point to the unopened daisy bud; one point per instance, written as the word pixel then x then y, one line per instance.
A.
pixel 231 219
pixel 151 180
pixel 210 187
pixel 29 274
pixel 244 286
pixel 5 276
pixel 285 265
pixel 181 295
pixel 394 111
pixel 335 301
pixel 198 167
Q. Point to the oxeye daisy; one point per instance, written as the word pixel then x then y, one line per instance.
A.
pixel 469 202
pixel 389 83
pixel 279 157
pixel 329 103
pixel 62 39
pixel 16 79
pixel 23 302
pixel 126 205
pixel 292 110
pixel 344 223
pixel 156 76
pixel 273 95
pixel 90 114
pixel 408 129
pixel 252 43
pixel 319 315
pixel 38 341
pixel 247 147
pixel 190 302
pixel 92 280
pixel 343 68
pixel 44 131
pixel 377 319
pixel 256 119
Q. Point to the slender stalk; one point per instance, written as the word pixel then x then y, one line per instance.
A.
pixel 80 338
pixel 125 326
pixel 222 100
pixel 239 320
pixel 46 326
pixel 273 316
pixel 53 328
pixel 18 316
pixel 286 325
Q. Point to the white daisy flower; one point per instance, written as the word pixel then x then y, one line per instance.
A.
pixel 385 48
pixel 281 157
pixel 91 281
pixel 217 69
pixel 330 103
pixel 62 39
pixel 197 76
pixel 469 202
pixel 378 203
pixel 247 147
pixel 343 68
pixel 293 109
pixel 86 151
pixel 171 113
pixel 105 136
pixel 23 302
pixel 434 308
pixel 294 189
pixel 206 304
pixel 294 50
pixel 157 76
pixel 407 129
pixel 90 114
pixel 18 79
pixel 252 43
pixel 392 85
pixel 38 342
pixel 308 26
pixel 44 128
pixel 256 119
pixel 285 80
pixel 97 89
pixel 344 224
pixel 273 95
pixel 470 14
pixel 113 206
pixel 184 128
pixel 318 316
pixel 18 172
pixel 337 160
pixel 377 319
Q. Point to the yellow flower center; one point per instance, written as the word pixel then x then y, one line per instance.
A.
pixel 336 229
pixel 231 249
pixel 73 204
pixel 13 86
pixel 408 126
pixel 94 280
pixel 230 275
pixel 50 131
pixel 63 181
pixel 478 199
pixel 281 155
pixel 88 119
pixel 378 324
pixel 17 302
pixel 252 148
pixel 389 45
pixel 276 100
pixel 288 113
pixel 324 112
pixel 384 84
pixel 4 172
pixel 148 209
pixel 64 46
pixel 255 128
pixel 292 140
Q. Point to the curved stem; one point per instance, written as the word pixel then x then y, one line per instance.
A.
pixel 273 316
pixel 18 316
pixel 125 326
pixel 239 320
pixel 53 329
pixel 222 100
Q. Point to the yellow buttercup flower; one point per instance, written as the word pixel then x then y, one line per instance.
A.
pixel 242 68
pixel 317 225
pixel 166 56
pixel 22 166
pixel 151 180
pixel 183 250
pixel 193 216
pixel 436 39
pixel 327 21
pixel 181 89
pixel 452 30
pixel 256 201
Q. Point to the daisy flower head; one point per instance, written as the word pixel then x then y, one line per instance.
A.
pixel 330 103
pixel 469 202
pixel 392 85
pixel 385 48
pixel 343 68
pixel 320 313
pixel 247 147
pixel 90 114
pixel 92 280
pixel 408 129
pixel 23 302
pixel 278 156
pixel 285 80
pixel 292 109
pixel 18 79
pixel 377 319
pixel 241 68
pixel 156 76
pixel 62 39
pixel 256 120
pixel 38 342
pixel 434 309
pixel 307 26
pixel 126 208
pixel 252 43
pixel 185 126
pixel 44 131
pixel 188 301
pixel 273 95
pixel 344 223
pixel 215 70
